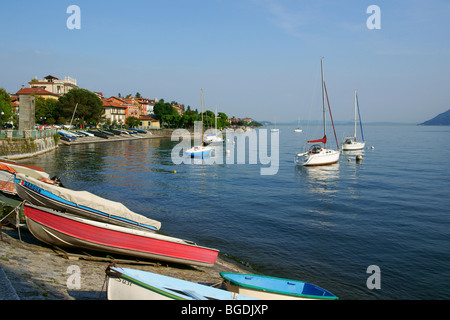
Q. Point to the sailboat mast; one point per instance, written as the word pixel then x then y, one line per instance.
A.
pixel 323 102
pixel 355 114
pixel 202 113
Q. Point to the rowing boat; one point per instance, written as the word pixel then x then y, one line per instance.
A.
pixel 68 231
pixel 271 288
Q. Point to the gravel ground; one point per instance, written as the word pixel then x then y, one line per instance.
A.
pixel 37 272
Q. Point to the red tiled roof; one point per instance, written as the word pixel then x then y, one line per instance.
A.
pixel 147 118
pixel 36 91
pixel 112 103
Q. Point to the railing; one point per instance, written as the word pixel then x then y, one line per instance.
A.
pixel 22 134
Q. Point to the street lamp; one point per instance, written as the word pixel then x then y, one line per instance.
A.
pixel 1 116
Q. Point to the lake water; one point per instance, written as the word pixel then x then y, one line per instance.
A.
pixel 322 225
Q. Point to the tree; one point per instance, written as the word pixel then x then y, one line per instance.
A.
pixel 132 122
pixel 162 108
pixel 6 110
pixel 90 106
pixel 46 110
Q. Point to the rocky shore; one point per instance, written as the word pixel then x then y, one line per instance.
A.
pixel 34 271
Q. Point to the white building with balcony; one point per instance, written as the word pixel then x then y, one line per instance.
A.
pixel 55 85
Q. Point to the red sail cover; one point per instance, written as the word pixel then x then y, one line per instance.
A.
pixel 323 140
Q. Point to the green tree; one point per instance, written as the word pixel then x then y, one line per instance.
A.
pixel 46 110
pixel 90 106
pixel 6 110
pixel 162 108
pixel 132 122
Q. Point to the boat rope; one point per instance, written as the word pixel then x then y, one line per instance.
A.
pixel 17 224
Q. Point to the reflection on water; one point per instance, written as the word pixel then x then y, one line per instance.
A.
pixel 320 179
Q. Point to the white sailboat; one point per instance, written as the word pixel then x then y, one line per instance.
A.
pixel 213 138
pixel 298 129
pixel 318 154
pixel 351 143
pixel 274 129
pixel 199 150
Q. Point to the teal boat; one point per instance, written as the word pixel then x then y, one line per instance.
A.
pixel 271 288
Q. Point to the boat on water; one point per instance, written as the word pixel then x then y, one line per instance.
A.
pixel 200 151
pixel 298 129
pixel 81 203
pixel 132 284
pixel 318 153
pixel 275 129
pixel 351 143
pixel 214 138
pixel 272 288
pixel 68 231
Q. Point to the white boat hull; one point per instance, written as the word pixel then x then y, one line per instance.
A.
pixel 131 284
pixel 353 146
pixel 199 151
pixel 324 157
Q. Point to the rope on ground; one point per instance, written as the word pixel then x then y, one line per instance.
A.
pixel 17 224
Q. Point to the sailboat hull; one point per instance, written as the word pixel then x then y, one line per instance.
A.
pixel 353 146
pixel 199 152
pixel 324 157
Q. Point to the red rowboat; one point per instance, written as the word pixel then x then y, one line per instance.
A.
pixel 68 231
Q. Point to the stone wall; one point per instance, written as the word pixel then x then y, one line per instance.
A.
pixel 28 146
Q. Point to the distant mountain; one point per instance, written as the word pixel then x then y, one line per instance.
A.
pixel 442 119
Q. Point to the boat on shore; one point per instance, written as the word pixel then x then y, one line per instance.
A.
pixel 68 231
pixel 272 288
pixel 99 134
pixel 132 284
pixel 81 203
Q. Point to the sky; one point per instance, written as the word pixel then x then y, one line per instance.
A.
pixel 251 58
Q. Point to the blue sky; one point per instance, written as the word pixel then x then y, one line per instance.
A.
pixel 255 58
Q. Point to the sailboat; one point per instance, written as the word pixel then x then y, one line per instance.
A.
pixel 351 143
pixel 298 129
pixel 213 138
pixel 318 154
pixel 275 129
pixel 201 150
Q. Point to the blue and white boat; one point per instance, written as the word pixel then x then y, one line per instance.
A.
pixel 271 288
pixel 80 203
pixel 199 151
pixel 132 284
pixel 66 134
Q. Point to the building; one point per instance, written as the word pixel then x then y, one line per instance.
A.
pixel 147 105
pixel 148 122
pixel 114 110
pixel 54 85
pixel 179 108
pixel 38 92
pixel 133 106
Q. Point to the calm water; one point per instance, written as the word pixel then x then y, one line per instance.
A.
pixel 321 225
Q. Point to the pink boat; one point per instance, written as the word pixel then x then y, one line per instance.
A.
pixel 68 231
